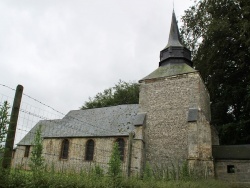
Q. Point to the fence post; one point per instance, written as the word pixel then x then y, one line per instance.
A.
pixel 6 163
pixel 130 140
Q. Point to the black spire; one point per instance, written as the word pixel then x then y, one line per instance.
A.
pixel 174 35
pixel 174 51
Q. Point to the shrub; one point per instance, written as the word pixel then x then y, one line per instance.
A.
pixel 36 159
pixel 115 162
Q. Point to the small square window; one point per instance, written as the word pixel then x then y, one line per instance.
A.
pixel 230 169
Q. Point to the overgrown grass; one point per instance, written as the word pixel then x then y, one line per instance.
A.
pixel 21 178
pixel 41 177
pixel 171 177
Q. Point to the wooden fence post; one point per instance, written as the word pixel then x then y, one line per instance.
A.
pixel 6 163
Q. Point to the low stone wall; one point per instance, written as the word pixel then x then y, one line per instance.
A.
pixel 235 171
pixel 76 157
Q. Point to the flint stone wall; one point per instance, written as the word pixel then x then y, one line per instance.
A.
pixel 76 156
pixel 168 134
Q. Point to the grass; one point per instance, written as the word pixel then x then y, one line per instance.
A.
pixel 21 178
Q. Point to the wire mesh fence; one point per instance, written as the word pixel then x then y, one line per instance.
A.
pixel 76 141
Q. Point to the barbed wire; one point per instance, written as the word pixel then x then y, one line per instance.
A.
pixel 7 87
pixel 65 115
pixel 70 117
pixel 30 115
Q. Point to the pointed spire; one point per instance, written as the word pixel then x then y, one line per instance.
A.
pixel 175 59
pixel 175 52
pixel 174 35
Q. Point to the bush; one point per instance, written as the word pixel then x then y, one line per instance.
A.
pixel 36 159
pixel 115 162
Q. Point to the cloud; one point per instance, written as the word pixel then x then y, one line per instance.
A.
pixel 64 52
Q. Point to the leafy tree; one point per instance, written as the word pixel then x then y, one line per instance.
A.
pixel 121 93
pixel 217 31
pixel 115 162
pixel 36 159
pixel 4 120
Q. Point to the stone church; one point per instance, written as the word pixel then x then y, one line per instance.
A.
pixel 170 125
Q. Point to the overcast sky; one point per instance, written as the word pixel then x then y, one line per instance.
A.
pixel 65 51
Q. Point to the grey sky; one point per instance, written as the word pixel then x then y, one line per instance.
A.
pixel 63 52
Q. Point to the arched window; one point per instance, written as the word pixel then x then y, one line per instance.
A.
pixel 65 149
pixel 27 151
pixel 121 145
pixel 89 154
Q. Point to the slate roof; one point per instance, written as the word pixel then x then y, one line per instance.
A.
pixel 174 35
pixel 175 59
pixel 170 69
pixel 236 152
pixel 98 122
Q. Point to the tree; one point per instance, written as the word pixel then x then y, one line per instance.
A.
pixel 115 162
pixel 121 93
pixel 217 31
pixel 36 159
pixel 4 121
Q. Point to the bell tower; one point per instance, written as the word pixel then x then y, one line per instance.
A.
pixel 177 105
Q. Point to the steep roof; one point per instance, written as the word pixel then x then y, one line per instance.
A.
pixel 175 59
pixel 170 69
pixel 174 35
pixel 98 122
pixel 236 152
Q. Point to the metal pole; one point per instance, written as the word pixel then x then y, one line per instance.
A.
pixel 12 127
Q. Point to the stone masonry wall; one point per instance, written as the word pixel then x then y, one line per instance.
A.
pixel 167 102
pixel 215 136
pixel 19 161
pixel 240 173
pixel 199 146
pixel 204 100
pixel 76 157
pixel 137 157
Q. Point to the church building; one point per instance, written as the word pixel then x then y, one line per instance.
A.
pixel 169 126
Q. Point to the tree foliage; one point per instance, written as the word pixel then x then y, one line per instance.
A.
pixel 121 93
pixel 4 121
pixel 217 31
pixel 115 162
pixel 36 159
